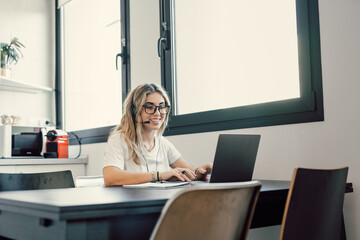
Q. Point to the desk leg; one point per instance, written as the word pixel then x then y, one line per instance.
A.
pixel 343 232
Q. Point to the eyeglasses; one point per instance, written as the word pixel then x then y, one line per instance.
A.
pixel 151 108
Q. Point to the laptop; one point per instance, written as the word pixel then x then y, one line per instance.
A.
pixel 235 158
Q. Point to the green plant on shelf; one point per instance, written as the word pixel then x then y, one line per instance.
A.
pixel 11 53
pixel 9 56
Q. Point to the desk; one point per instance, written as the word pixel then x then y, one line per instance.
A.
pixel 108 212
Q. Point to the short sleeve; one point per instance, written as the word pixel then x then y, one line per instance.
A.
pixel 114 152
pixel 172 153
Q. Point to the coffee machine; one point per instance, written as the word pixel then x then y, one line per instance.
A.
pixel 57 144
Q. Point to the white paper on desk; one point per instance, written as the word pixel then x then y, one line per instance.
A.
pixel 157 185
pixel 89 181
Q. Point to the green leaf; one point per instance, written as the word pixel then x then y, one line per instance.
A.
pixel 12 51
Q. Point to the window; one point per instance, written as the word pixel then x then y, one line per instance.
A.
pixel 240 64
pixel 92 35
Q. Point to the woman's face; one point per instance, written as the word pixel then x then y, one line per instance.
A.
pixel 153 120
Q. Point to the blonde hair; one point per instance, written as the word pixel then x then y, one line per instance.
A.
pixel 130 127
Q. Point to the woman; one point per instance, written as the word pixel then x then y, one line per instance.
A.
pixel 137 152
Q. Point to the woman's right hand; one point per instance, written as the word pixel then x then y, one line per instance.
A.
pixel 178 174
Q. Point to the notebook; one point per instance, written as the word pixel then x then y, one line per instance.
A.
pixel 235 158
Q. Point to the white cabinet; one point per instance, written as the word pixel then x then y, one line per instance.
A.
pixel 5 141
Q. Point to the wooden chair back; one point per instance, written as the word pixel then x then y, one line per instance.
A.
pixel 313 210
pixel 209 211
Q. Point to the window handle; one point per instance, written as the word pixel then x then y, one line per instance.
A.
pixel 163 40
pixel 123 55
pixel 162 43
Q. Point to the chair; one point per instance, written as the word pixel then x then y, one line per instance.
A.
pixel 208 211
pixel 314 205
pixel 31 181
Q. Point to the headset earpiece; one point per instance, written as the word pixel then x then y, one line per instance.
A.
pixel 133 108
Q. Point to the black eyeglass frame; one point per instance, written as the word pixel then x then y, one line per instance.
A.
pixel 167 107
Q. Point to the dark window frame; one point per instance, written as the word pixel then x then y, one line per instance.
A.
pixel 308 108
pixel 94 135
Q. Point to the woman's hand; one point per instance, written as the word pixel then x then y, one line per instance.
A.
pixel 176 174
pixel 203 171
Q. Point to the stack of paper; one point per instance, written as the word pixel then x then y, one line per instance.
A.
pixel 158 185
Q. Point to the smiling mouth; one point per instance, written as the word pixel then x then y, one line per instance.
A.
pixel 155 120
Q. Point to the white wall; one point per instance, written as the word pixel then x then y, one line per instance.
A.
pixel 329 144
pixel 32 22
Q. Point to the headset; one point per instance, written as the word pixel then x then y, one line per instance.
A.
pixel 133 108
pixel 133 111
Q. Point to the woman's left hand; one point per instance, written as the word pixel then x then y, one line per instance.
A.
pixel 203 171
pixel 176 174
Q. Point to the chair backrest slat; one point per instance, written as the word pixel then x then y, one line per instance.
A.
pixel 211 211
pixel 314 205
pixel 32 181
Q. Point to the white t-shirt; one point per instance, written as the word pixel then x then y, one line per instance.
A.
pixel 162 155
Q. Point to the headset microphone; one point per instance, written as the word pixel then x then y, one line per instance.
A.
pixel 146 122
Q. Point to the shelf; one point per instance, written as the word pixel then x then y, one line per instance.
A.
pixel 17 86
pixel 27 126
pixel 42 161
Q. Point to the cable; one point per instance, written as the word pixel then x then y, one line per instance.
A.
pixel 79 143
pixel 48 123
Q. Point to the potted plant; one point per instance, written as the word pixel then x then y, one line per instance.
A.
pixel 9 55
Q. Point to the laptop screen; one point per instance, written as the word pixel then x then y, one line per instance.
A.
pixel 235 158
